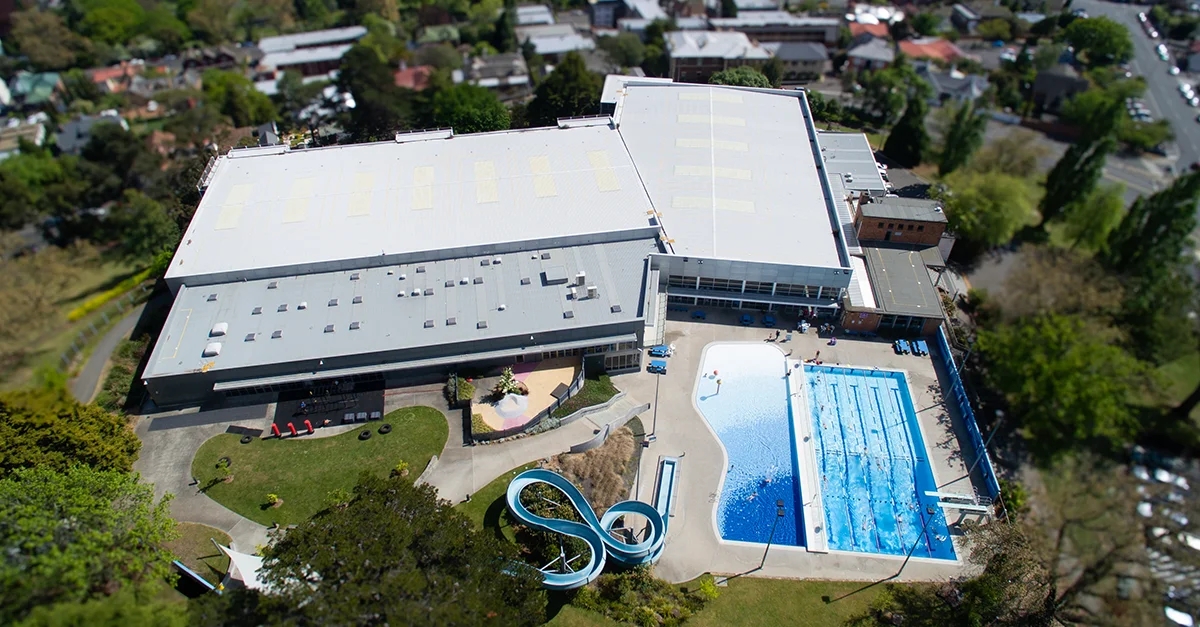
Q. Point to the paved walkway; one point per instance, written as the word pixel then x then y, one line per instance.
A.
pixel 463 470
pixel 170 441
pixel 83 387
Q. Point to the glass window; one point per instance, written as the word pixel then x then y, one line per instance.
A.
pixel 891 225
pixel 921 227
pixel 910 227
pixel 881 225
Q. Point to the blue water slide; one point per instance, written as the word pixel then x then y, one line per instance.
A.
pixel 594 530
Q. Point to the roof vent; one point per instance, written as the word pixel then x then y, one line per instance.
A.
pixel 329 328
pixel 451 321
pixel 545 255
pixel 429 324
pixel 250 337
pixel 354 276
pixel 356 325
pixel 391 272
pixel 403 276
pixel 333 302
pixel 278 333
pixel 464 281
pixel 502 307
pixel 525 280
pixel 568 314
pixel 219 329
pixel 482 324
pixel 485 262
pixel 211 298
pixel 256 311
pixel 574 294
pixel 272 285
pixel 429 291
pixel 451 283
pixel 615 309
pixel 478 280
pixel 303 305
pixel 357 300
pixel 282 308
pixel 496 261
pixel 212 349
pixel 420 269
pixel 416 292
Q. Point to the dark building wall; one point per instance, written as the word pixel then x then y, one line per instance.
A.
pixel 903 231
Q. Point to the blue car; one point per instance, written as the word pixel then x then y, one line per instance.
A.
pixel 662 350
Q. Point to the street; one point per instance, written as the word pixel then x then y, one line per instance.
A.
pixel 1162 90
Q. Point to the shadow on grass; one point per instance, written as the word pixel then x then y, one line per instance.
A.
pixel 495 520
pixel 556 600
pixel 98 289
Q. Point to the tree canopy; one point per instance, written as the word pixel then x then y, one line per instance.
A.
pixel 742 75
pixel 381 108
pixel 1016 153
pixel 234 95
pixel 963 138
pixel 1099 40
pixel 394 554
pixel 469 109
pixel 908 142
pixel 142 226
pixel 987 208
pixel 1155 231
pixel 570 90
pixel 77 535
pixel 49 429
pixel 45 39
pixel 1089 222
pixel 141 607
pixel 625 49
pixel 1065 383
pixel 1075 175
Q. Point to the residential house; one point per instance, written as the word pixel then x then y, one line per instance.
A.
pixel 933 48
pixel 802 61
pixel 780 26
pixel 964 18
pixel 15 130
pixel 858 29
pixel 1055 85
pixel 553 41
pixel 506 73
pixel 31 90
pixel 115 79
pixel 645 9
pixel 604 13
pixel 312 39
pixel 143 89
pixel 315 54
pixel 638 26
pixel 951 85
pixel 224 57
pixel 696 56
pixel 874 54
pixel 415 78
pixel 162 143
pixel 533 15
pixel 78 132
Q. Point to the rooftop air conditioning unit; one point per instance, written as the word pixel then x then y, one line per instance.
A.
pixel 581 278
pixel 591 291
pixel 574 294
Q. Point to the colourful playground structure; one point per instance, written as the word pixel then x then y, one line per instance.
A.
pixel 597 532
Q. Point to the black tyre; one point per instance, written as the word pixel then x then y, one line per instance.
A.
pixel 247 439
pixel 385 429
pixel 365 435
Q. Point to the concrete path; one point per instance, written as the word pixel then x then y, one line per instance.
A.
pixel 170 441
pixel 83 387
pixel 463 470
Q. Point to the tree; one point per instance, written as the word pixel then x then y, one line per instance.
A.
pixel 987 208
pixel 77 535
pixel 773 70
pixel 1099 40
pixel 1157 313
pixel 400 555
pixel 1075 175
pixel 504 37
pixel 161 24
pixel 1016 153
pixel 1051 280
pixel 625 49
pixel 45 39
pixel 994 29
pixel 729 8
pixel 469 109
pixel 963 138
pixel 147 605
pixel 1089 221
pixel 49 429
pixel 570 90
pixel 234 95
pixel 925 24
pixel 213 19
pixel 1155 232
pixel 380 108
pixel 1064 382
pixel 143 227
pixel 909 141
pixel 112 22
pixel 742 75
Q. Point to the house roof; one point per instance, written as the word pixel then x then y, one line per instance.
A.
pixel 647 9
pixel 35 87
pixel 800 51
pixel 534 14
pixel 11 136
pixel 931 48
pixel 900 280
pixel 326 37
pixel 760 19
pixel 715 44
pixel 953 82
pixel 874 50
pixel 500 65
pixel 301 56
pixel 899 208
pixel 76 133
pixel 415 78
pixel 876 30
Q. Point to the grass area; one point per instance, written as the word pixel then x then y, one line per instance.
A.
pixel 195 549
pixel 487 506
pixel 1179 378
pixel 479 425
pixel 119 380
pixel 593 392
pixel 302 472
pixel 55 334
pixel 750 601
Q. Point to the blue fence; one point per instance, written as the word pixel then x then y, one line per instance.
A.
pixel 958 394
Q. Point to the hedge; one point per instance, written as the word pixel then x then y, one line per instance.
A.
pixel 103 298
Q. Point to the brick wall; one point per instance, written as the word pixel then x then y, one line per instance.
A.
pixel 903 231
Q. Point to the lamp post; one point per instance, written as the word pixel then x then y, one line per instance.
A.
pixel 779 513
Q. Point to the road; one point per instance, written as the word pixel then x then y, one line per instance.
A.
pixel 84 386
pixel 1162 89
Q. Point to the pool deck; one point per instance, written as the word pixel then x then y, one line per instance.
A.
pixel 693 544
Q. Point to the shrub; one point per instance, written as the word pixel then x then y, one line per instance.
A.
pixel 401 469
pixel 465 390
pixel 708 588
pixel 101 299
pixel 1015 496
pixel 948 305
pixel 635 596
pixel 272 498
pixel 479 426
pixel 339 498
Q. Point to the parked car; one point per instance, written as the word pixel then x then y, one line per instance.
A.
pixel 1174 71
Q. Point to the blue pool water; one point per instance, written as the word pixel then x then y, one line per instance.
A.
pixel 873 463
pixel 751 417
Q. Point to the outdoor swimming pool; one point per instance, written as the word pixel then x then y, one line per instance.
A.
pixel 751 417
pixel 873 463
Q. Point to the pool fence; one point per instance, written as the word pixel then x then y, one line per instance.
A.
pixel 958 395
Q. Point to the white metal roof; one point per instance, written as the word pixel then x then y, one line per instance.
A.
pixel 731 171
pixel 534 14
pixel 849 155
pixel 343 206
pixel 311 38
pixel 558 44
pixel 304 55
pixel 718 44
pixel 614 85
pixel 647 9
pixel 772 18
pixel 860 291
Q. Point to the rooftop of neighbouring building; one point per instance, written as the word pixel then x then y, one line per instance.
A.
pixel 798 51
pixel 415 78
pixel 876 49
pixel 721 45
pixel 284 43
pixel 900 279
pixel 760 19
pixel 899 208
pixel 932 48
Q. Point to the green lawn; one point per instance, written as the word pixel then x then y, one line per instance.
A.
pixel 593 392
pixel 487 505
pixel 303 471
pixel 749 601
pixel 1179 378
pixel 195 549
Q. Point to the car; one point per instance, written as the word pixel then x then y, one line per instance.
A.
pixel 1080 13
pixel 662 350
pixel 1142 17
pixel 1174 71
pixel 1194 101
pixel 1009 54
pixel 1153 34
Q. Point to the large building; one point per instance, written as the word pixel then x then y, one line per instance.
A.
pixel 781 26
pixel 409 258
pixel 696 55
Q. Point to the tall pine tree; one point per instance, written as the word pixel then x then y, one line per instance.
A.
pixel 1077 172
pixel 908 140
pixel 1154 233
pixel 963 138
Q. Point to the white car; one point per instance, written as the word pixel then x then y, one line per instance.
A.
pixel 1142 17
pixel 1174 71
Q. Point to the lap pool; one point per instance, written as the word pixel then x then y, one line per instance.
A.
pixel 865 445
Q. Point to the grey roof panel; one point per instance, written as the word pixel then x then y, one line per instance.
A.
pixel 899 208
pixel 901 282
